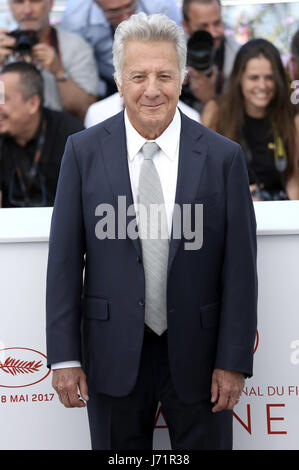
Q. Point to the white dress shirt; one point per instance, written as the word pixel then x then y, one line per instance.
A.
pixel 166 163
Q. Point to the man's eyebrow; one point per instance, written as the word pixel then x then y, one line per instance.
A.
pixel 132 72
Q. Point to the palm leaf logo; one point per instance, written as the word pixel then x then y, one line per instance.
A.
pixel 15 366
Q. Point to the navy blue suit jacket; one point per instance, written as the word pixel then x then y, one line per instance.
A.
pixel 95 288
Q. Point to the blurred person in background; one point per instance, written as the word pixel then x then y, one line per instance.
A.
pixel 201 87
pixel 256 111
pixel 32 139
pixel 66 59
pixel 96 21
pixel 295 56
pixel 293 70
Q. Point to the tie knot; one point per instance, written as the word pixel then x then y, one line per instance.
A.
pixel 149 149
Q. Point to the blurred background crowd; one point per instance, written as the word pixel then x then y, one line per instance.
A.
pixel 56 78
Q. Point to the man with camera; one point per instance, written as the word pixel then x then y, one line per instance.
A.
pixel 32 139
pixel 66 60
pixel 203 85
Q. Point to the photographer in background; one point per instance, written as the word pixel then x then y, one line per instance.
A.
pixel 66 60
pixel 200 87
pixel 32 139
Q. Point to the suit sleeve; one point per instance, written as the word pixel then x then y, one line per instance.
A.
pixel 238 321
pixel 65 265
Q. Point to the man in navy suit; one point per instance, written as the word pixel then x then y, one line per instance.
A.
pixel 168 319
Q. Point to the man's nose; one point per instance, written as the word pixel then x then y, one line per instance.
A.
pixel 152 88
pixel 213 32
pixel 27 7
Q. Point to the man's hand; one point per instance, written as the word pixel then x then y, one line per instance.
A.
pixel 66 382
pixel 6 45
pixel 47 57
pixel 226 389
pixel 201 86
pixel 255 192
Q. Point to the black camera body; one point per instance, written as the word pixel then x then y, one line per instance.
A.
pixel 25 40
pixel 201 52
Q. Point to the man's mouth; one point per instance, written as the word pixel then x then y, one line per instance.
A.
pixel 152 105
pixel 23 20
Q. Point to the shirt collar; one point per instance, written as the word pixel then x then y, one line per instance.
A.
pixel 168 141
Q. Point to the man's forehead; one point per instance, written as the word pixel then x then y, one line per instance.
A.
pixel 204 11
pixel 135 45
pixel 112 4
pixel 154 54
pixel 9 76
pixel 48 2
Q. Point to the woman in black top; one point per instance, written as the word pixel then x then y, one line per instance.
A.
pixel 256 111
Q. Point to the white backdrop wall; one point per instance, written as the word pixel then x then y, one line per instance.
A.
pixel 30 413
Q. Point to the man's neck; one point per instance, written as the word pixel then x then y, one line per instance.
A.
pixel 29 132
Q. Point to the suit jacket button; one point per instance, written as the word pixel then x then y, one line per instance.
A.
pixel 141 302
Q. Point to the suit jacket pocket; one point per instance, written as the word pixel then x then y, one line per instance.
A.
pixel 209 315
pixel 210 200
pixel 95 308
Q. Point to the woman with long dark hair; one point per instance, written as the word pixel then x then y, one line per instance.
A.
pixel 256 111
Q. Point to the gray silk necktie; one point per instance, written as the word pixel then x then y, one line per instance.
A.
pixel 153 232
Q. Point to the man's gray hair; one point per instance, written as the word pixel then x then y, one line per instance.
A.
pixel 141 27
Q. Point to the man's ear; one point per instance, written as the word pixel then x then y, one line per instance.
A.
pixel 34 104
pixel 51 4
pixel 185 27
pixel 118 87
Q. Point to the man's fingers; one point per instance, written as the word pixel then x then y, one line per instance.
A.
pixel 71 400
pixel 6 40
pixel 83 388
pixel 222 401
pixel 232 402
pixel 214 391
pixel 75 400
pixel 229 385
pixel 66 383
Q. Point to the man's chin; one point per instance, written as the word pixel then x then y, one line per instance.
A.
pixel 4 132
pixel 30 26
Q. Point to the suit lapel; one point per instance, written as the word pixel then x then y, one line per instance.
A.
pixel 192 158
pixel 114 148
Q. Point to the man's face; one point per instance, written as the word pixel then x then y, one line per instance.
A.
pixel 31 14
pixel 15 113
pixel 150 85
pixel 206 17
pixel 117 11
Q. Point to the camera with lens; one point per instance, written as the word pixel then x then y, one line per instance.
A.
pixel 201 52
pixel 25 40
pixel 264 195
